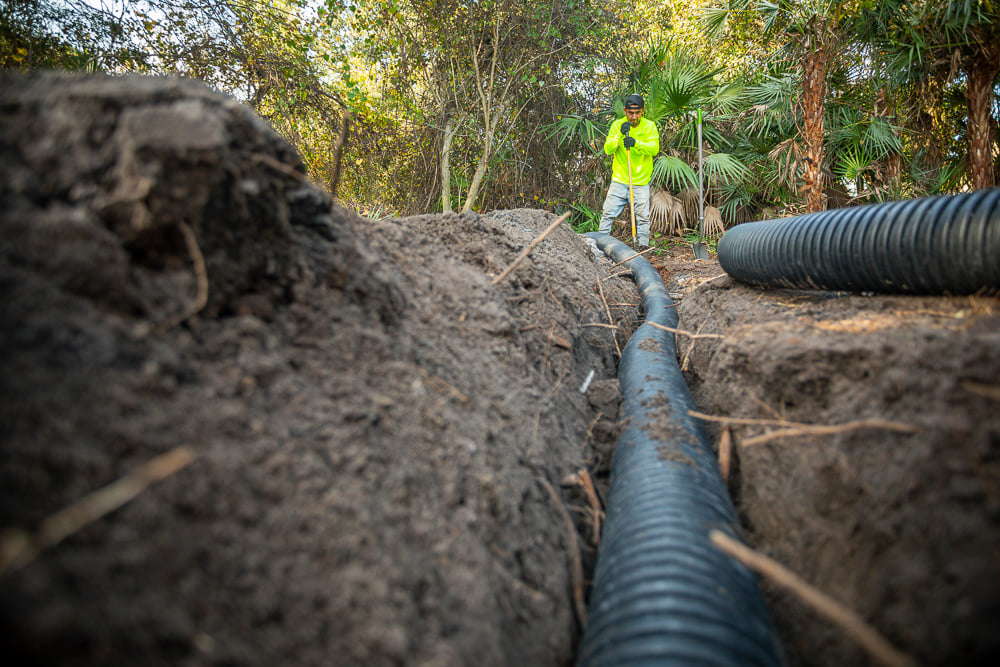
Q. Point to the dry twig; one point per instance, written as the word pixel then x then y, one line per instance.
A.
pixel 17 548
pixel 574 554
pixel 725 453
pixel 524 253
pixel 629 259
pixel 681 332
pixel 790 429
pixel 582 479
pixel 611 320
pixel 848 621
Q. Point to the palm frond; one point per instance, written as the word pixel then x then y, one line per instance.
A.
pixel 852 162
pixel 712 225
pixel 713 20
pixel 725 167
pixel 881 138
pixel 674 173
pixel 569 126
pixel 666 214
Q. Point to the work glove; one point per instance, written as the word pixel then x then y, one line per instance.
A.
pixel 626 127
pixel 629 142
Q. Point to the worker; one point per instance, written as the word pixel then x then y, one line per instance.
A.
pixel 633 140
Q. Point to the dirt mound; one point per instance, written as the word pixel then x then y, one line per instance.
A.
pixel 374 422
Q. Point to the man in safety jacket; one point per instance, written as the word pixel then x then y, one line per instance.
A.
pixel 641 139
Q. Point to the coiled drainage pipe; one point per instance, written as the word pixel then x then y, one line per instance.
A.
pixel 935 245
pixel 663 594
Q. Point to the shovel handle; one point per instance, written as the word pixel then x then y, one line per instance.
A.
pixel 631 195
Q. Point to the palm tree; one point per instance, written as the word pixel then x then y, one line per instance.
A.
pixel 818 34
pixel 945 41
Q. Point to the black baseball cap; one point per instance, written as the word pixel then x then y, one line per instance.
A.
pixel 634 102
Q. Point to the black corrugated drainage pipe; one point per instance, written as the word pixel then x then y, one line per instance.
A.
pixel 663 594
pixel 948 244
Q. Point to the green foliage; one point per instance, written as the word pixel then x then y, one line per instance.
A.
pixel 68 35
pixel 583 218
pixel 530 88
pixel 674 173
pixel 573 127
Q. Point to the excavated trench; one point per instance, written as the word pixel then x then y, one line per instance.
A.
pixel 387 445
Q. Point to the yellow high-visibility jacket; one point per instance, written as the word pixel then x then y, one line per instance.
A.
pixel 647 145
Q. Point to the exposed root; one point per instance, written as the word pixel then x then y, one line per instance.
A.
pixel 988 390
pixel 681 332
pixel 791 429
pixel 611 320
pixel 846 619
pixel 576 565
pixel 725 453
pixel 200 276
pixel 690 350
pixel 764 405
pixel 594 511
pixel 17 548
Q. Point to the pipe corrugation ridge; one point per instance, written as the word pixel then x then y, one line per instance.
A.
pixel 663 593
pixel 948 244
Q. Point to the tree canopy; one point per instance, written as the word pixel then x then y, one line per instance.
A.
pixel 407 106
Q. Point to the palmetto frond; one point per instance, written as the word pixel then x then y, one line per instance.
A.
pixel 674 173
pixel 725 167
pixel 570 127
pixel 853 162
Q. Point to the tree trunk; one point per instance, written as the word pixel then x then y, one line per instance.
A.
pixel 893 173
pixel 491 120
pixel 477 178
pixel 338 150
pixel 450 129
pixel 813 107
pixel 981 76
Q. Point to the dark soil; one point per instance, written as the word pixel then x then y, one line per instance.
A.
pixel 377 427
pixel 902 527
